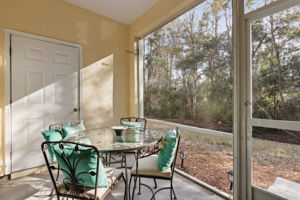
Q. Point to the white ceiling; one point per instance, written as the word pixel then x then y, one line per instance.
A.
pixel 124 11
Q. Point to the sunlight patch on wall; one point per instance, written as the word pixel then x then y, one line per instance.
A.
pixel 1 60
pixel 2 147
pixel 98 93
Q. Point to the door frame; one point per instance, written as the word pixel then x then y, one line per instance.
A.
pixel 8 91
pixel 259 13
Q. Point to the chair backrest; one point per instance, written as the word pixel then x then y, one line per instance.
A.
pixel 134 119
pixel 60 124
pixel 69 161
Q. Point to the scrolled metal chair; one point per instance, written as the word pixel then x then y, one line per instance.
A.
pixel 147 167
pixel 75 182
pixel 112 158
pixel 59 125
pixel 134 119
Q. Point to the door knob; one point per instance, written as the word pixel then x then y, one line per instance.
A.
pixel 75 109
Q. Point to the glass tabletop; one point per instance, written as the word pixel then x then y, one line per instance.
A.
pixel 106 140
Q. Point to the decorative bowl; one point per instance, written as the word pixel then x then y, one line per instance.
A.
pixel 119 130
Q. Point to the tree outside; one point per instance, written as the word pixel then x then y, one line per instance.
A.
pixel 188 68
pixel 188 78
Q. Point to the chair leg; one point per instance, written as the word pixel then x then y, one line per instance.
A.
pixel 157 191
pixel 56 179
pixel 129 185
pixel 155 183
pixel 172 189
pixel 134 186
pixel 106 159
pixel 52 192
pixel 57 174
pixel 125 193
pixel 109 159
pixel 123 161
pixel 139 186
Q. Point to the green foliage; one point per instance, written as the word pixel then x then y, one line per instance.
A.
pixel 276 65
pixel 188 67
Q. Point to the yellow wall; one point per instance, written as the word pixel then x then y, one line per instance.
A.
pixel 100 37
pixel 103 40
pixel 162 12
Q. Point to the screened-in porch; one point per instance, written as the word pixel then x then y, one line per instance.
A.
pixel 195 99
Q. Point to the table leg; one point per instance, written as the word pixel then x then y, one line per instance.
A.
pixel 127 188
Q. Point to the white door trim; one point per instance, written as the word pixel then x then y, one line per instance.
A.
pixel 270 9
pixel 7 87
pixel 260 13
pixel 140 76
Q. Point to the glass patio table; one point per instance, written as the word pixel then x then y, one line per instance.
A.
pixel 107 141
pixel 132 140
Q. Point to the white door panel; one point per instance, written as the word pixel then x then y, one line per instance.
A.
pixel 44 85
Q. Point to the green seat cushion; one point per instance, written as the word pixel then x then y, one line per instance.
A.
pixel 68 129
pixel 137 125
pixel 52 136
pixel 83 161
pixel 167 150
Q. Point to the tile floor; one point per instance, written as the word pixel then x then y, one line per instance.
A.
pixel 38 186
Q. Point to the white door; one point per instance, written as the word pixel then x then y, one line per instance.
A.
pixel 44 90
